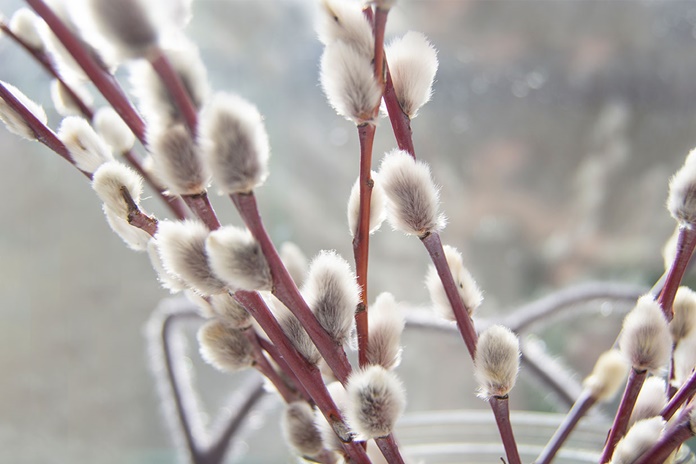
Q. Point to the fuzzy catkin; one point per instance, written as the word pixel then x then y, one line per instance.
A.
pixel 299 429
pixel 342 21
pixel 332 293
pixel 236 257
pixel 178 162
pixel 223 347
pixel 232 313
pixel 639 438
pixel 109 182
pixel 13 121
pixel 609 373
pixel 113 129
pixel 297 334
pixel 684 320
pixel 25 25
pixel 651 399
pixel 681 202
pixel 468 290
pixel 386 323
pixel 412 65
pixel 377 205
pixel 87 149
pixel 497 361
pixel 234 143
pixel 412 197
pixel 134 237
pixel 295 262
pixel 182 249
pixel 376 399
pixel 347 78
pixel 645 338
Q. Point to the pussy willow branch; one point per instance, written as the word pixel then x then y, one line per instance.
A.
pixel 669 441
pixel 286 291
pixel 273 352
pixel 686 242
pixel 682 396
pixel 400 122
pixel 577 412
pixel 41 131
pixel 45 61
pixel 265 368
pixel 623 414
pixel 162 66
pixel 361 241
pixel 101 78
pixel 109 89
pixel 501 410
pixel 308 375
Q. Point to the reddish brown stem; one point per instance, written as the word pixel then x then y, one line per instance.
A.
pixel 102 80
pixel 670 440
pixel 390 449
pixel 172 82
pixel 361 241
pixel 400 122
pixel 501 411
pixel 686 242
pixel 265 368
pixel 137 218
pixel 378 27
pixel 623 414
pixel 200 205
pixel 577 412
pixel 41 131
pixel 286 291
pixel 433 244
pixel 308 375
pixel 685 392
pixel 272 351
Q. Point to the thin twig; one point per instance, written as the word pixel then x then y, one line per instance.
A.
pixel 501 411
pixel 623 414
pixel 686 242
pixel 670 440
pixel 172 82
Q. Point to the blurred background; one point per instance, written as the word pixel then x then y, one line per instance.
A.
pixel 553 130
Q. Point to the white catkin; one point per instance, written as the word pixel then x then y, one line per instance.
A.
pixel 684 360
pixel 113 129
pixel 412 65
pixel 120 30
pixel 377 205
pixel 669 250
pixel 178 162
pixel 109 180
pixel 348 80
pixel 234 143
pixel 681 202
pixel 684 320
pixel 236 258
pixel 25 25
pixel 87 149
pixel 332 293
pixel 645 338
pixel 386 323
pixel 297 334
pixel 412 197
pixel 376 399
pixel 204 308
pixel 64 102
pixel 295 261
pixel 651 399
pixel 223 347
pixel 469 293
pixel 13 121
pixel 342 21
pixel 639 438
pixel 609 373
pixel 167 280
pixel 299 429
pixel 226 308
pixel 134 237
pixel 182 249
pixel 497 361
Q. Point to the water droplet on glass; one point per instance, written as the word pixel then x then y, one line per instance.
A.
pixel 606 309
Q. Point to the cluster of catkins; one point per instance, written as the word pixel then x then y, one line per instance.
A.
pixel 270 309
pixel 193 137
